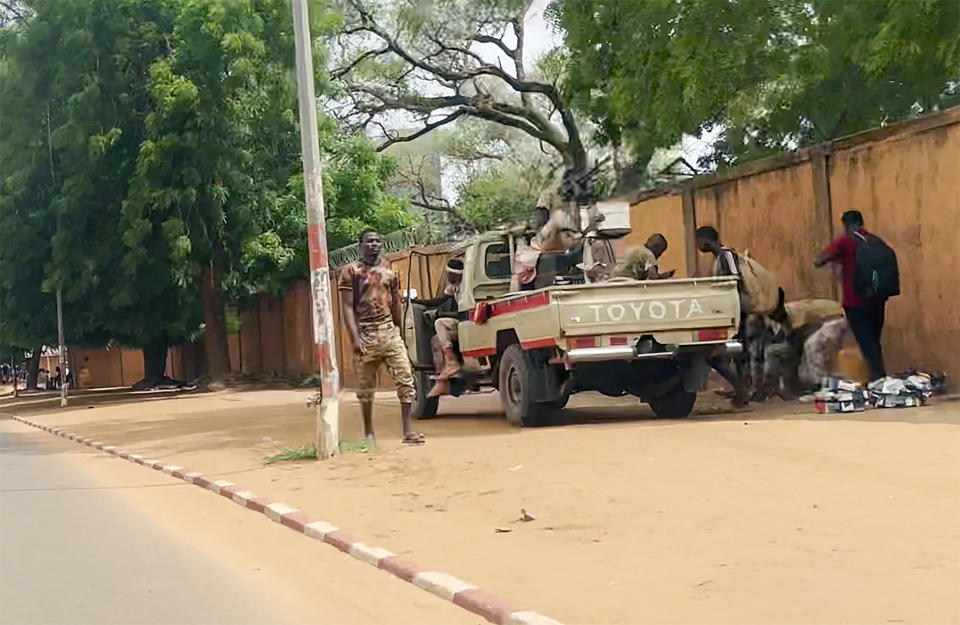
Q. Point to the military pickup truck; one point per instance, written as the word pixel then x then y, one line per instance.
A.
pixel 652 339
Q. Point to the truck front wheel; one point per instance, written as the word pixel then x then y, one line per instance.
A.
pixel 676 403
pixel 519 388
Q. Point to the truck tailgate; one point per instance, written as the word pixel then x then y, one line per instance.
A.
pixel 648 306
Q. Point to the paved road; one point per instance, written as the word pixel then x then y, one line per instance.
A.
pixel 74 551
pixel 89 538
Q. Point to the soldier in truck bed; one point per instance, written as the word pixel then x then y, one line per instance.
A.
pixel 642 263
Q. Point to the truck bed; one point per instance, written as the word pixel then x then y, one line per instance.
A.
pixel 675 311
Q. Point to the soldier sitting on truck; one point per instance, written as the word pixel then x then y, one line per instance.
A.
pixel 554 233
pixel 642 263
pixel 447 320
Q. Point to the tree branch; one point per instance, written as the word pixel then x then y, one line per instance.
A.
pixel 423 199
pixel 433 55
pixel 339 72
pixel 481 38
pixel 522 86
pixel 426 128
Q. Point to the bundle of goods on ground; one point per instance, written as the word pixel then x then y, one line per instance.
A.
pixel 905 390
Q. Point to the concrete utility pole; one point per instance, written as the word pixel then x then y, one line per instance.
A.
pixel 328 409
pixel 63 350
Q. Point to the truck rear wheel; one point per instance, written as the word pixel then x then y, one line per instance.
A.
pixel 519 388
pixel 424 407
pixel 676 403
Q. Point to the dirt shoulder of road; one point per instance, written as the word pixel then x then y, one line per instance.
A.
pixel 771 515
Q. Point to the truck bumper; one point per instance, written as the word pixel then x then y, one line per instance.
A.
pixel 626 352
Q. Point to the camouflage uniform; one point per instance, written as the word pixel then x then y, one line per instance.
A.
pixel 637 262
pixel 373 290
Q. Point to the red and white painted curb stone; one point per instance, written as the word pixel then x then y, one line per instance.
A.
pixel 463 594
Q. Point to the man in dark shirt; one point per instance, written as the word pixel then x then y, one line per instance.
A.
pixel 725 263
pixel 864 317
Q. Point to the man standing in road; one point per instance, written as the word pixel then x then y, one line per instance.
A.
pixel 371 310
pixel 864 314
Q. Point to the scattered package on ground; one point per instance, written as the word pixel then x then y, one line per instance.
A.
pixel 906 390
pixel 837 395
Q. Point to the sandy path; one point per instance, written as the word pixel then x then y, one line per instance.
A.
pixel 775 515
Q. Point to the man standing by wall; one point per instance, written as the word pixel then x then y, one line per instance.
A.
pixel 864 305
pixel 725 264
pixel 371 311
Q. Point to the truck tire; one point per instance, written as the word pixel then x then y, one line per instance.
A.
pixel 424 407
pixel 519 386
pixel 676 403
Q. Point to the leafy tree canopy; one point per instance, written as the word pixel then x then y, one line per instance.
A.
pixel 147 144
pixel 770 74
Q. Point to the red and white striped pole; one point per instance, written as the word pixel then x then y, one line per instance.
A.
pixel 328 430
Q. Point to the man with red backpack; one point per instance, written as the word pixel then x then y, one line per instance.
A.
pixel 870 277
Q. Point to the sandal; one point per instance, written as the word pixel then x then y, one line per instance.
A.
pixel 414 438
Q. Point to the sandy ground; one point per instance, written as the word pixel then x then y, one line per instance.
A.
pixel 774 515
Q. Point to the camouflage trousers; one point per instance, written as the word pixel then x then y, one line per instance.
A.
pixel 384 346
pixel 447 331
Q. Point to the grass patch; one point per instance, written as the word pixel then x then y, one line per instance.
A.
pixel 293 454
pixel 361 446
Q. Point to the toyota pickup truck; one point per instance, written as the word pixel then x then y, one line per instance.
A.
pixel 652 339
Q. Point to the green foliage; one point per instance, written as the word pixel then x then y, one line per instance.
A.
pixel 73 103
pixel 293 454
pixel 143 142
pixel 772 74
pixel 354 188
pixel 494 198
pixel 361 446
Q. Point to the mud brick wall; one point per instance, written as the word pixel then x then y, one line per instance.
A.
pixel 904 178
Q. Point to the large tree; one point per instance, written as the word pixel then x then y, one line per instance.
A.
pixel 149 152
pixel 771 75
pixel 421 65
pixel 74 97
pixel 218 171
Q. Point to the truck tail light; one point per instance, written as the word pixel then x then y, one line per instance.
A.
pixel 590 341
pixel 712 335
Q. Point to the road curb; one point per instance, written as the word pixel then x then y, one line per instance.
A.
pixel 459 592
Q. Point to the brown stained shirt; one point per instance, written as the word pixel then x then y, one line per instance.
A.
pixel 372 287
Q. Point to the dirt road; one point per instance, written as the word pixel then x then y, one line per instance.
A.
pixel 772 515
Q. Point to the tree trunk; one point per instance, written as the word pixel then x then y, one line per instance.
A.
pixel 155 361
pixel 215 331
pixel 33 368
